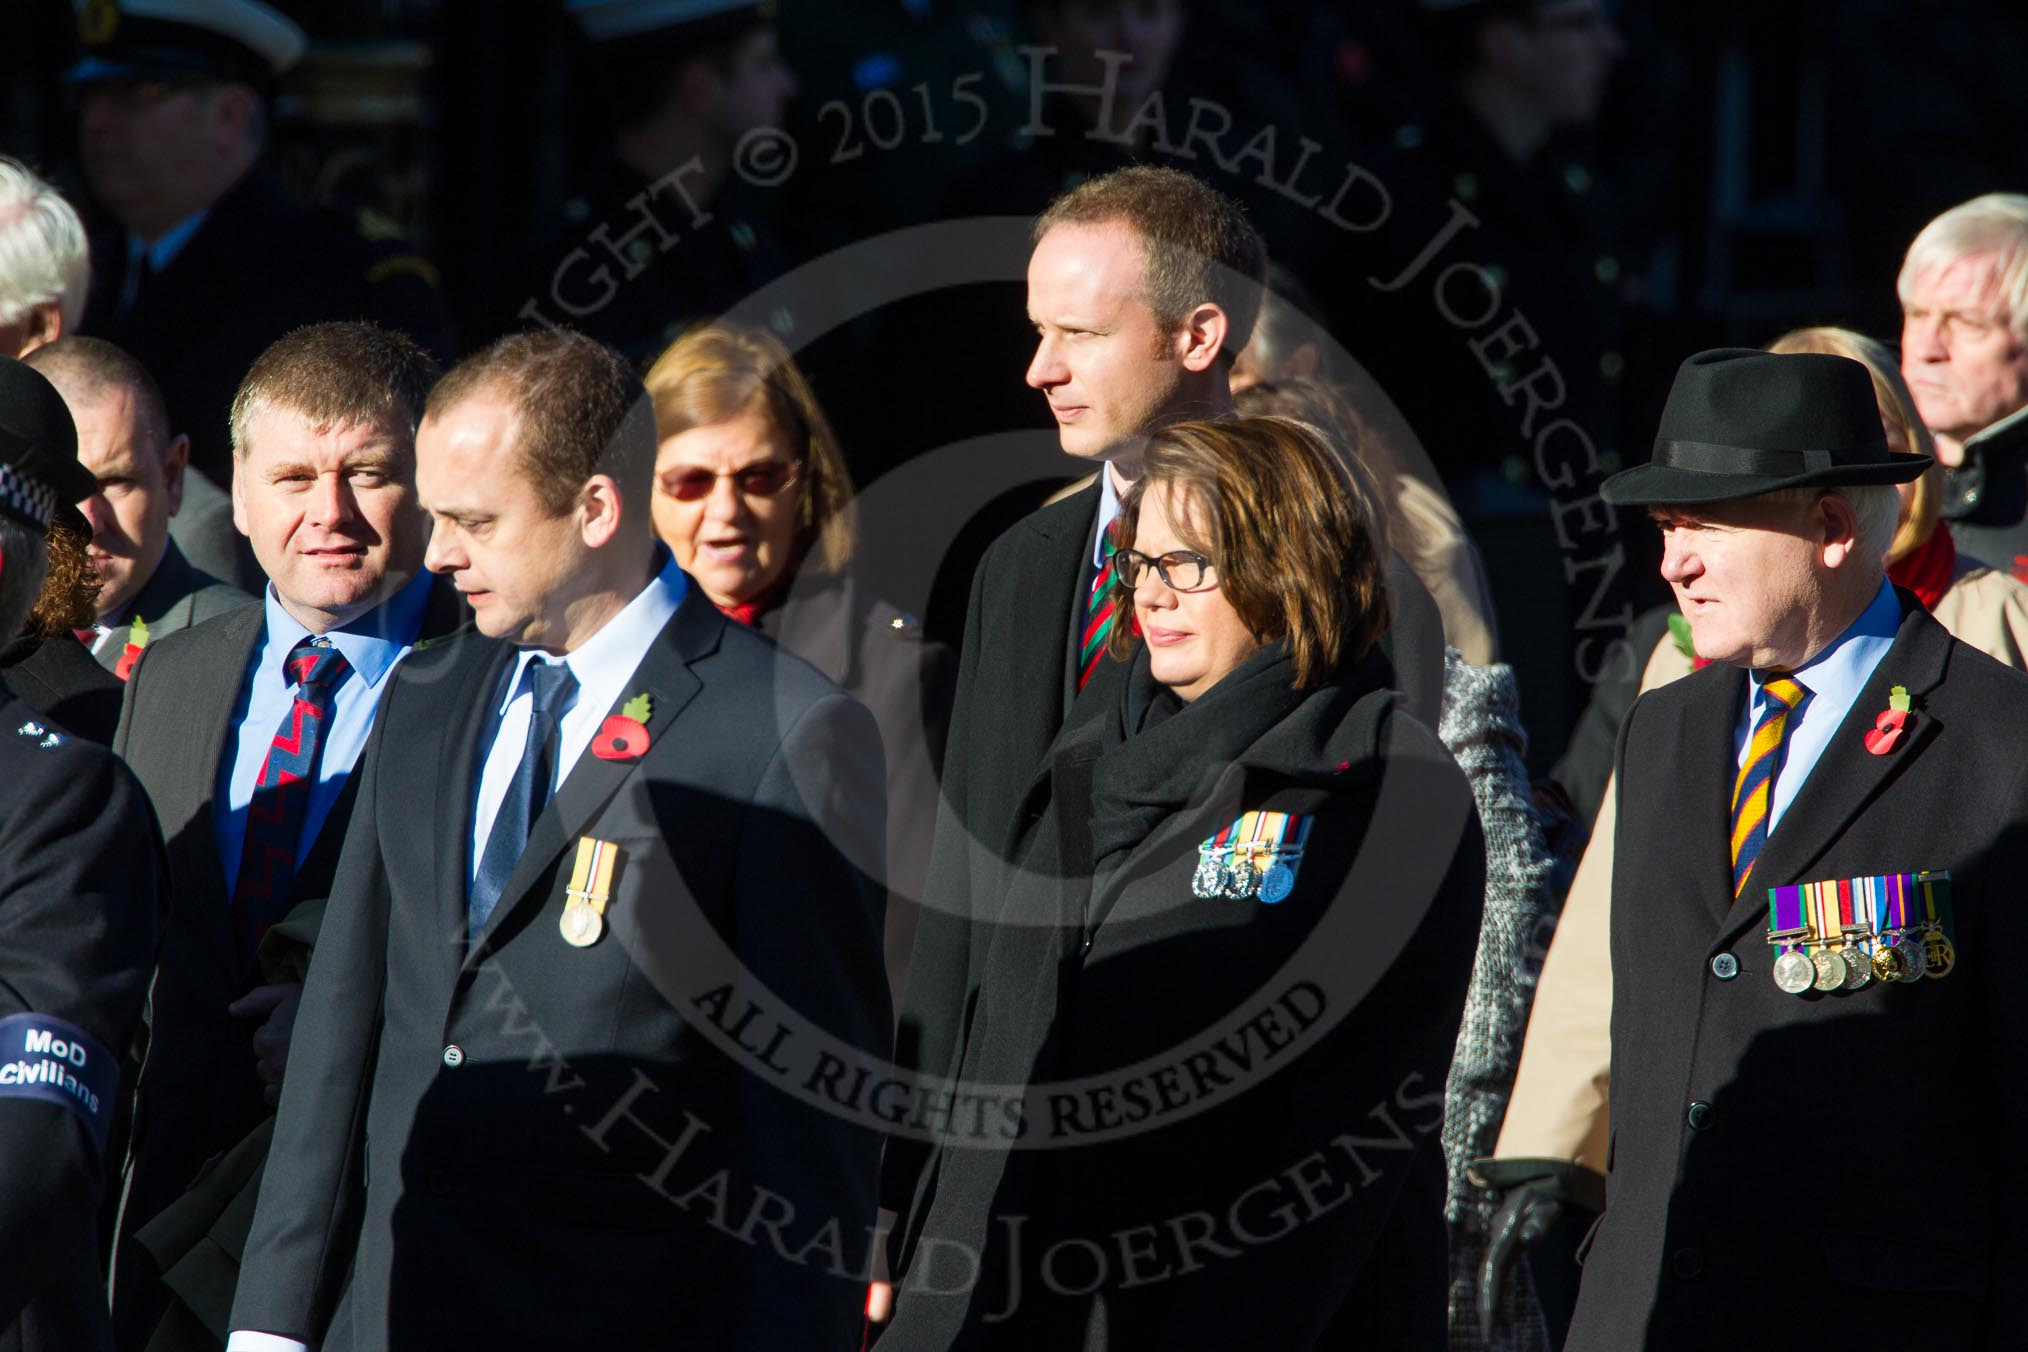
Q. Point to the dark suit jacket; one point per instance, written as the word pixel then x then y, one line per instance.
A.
pixel 879 656
pixel 1852 1152
pixel 259 266
pixel 1099 989
pixel 177 595
pixel 82 898
pixel 49 677
pixel 533 1115
pixel 198 1095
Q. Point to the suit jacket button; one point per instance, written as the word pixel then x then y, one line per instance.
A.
pixel 454 1056
pixel 440 1183
pixel 1700 1115
pixel 1688 1262
pixel 1725 967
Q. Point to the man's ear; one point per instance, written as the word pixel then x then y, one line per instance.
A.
pixel 1202 337
pixel 174 461
pixel 45 326
pixel 239 518
pixel 1837 528
pixel 234 110
pixel 599 507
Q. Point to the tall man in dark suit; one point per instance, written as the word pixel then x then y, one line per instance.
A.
pixel 246 730
pixel 1142 289
pixel 82 896
pixel 1815 910
pixel 147 588
pixel 606 881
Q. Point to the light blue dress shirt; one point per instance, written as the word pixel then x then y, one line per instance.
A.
pixel 1834 678
pixel 603 666
pixel 373 643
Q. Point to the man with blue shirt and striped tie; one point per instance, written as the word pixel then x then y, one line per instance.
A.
pixel 606 904
pixel 245 731
pixel 1814 909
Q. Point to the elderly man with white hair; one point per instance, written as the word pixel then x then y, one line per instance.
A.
pixel 45 262
pixel 1964 353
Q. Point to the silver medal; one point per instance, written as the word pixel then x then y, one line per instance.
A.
pixel 1794 972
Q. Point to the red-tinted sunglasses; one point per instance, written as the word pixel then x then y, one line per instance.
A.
pixel 764 480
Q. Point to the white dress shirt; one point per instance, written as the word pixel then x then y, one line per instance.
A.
pixel 602 666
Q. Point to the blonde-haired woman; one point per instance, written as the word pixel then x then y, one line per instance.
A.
pixel 753 497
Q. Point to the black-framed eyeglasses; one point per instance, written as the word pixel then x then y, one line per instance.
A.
pixel 763 480
pixel 1181 570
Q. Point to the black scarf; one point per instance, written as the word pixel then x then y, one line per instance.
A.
pixel 1169 754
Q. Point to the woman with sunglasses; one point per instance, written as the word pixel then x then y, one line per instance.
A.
pixel 1210 1043
pixel 753 498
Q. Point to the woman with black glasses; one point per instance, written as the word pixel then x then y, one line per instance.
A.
pixel 1209 1051
pixel 752 495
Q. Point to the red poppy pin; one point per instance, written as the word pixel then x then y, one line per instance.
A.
pixel 624 736
pixel 1892 722
pixel 137 640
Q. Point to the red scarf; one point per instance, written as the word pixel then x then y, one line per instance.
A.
pixel 1929 568
pixel 749 612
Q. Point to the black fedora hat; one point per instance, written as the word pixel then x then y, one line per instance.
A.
pixel 1740 422
pixel 40 476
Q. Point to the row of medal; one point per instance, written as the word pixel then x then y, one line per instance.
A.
pixel 1847 933
pixel 1254 856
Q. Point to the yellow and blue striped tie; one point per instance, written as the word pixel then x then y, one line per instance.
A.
pixel 1753 792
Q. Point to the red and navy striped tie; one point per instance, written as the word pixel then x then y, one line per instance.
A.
pixel 1099 610
pixel 281 797
pixel 1753 791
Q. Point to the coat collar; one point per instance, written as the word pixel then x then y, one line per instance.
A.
pixel 1845 779
pixel 817 621
pixel 173 580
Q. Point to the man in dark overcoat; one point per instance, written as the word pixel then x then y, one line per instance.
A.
pixel 82 896
pixel 1819 839
pixel 1115 361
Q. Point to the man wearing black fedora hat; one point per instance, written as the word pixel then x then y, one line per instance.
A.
pixel 82 899
pixel 1811 928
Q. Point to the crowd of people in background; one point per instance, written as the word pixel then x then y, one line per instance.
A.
pixel 1112 738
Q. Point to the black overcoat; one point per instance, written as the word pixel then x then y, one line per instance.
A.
pixel 1016 689
pixel 1226 1098
pixel 83 891
pixel 1822 1170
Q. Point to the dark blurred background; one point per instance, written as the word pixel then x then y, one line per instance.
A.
pixel 1751 167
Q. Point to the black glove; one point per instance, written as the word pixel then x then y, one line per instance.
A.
pixel 1537 1191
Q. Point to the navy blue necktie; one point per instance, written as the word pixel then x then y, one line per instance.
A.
pixel 527 792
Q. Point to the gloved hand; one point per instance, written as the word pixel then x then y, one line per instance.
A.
pixel 1537 1191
